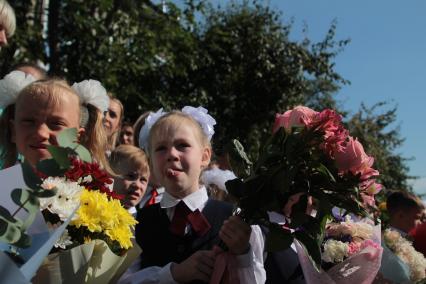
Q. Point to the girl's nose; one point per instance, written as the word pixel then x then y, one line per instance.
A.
pixel 43 132
pixel 172 154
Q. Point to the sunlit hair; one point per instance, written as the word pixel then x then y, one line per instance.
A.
pixel 94 138
pixel 112 139
pixel 173 120
pixel 128 154
pixel 403 201
pixel 40 73
pixel 7 18
pixel 137 126
pixel 52 88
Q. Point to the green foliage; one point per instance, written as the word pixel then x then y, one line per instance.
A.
pixel 375 128
pixel 237 61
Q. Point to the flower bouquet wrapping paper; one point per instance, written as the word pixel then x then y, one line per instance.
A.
pixel 310 156
pixel 350 253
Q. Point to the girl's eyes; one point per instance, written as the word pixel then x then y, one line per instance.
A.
pixel 160 148
pixel 183 145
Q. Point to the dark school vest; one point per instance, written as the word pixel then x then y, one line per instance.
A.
pixel 159 246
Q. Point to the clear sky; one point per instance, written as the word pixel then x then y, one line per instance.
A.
pixel 385 60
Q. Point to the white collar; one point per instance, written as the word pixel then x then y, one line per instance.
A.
pixel 132 210
pixel 194 201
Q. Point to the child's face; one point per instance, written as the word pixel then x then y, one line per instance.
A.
pixel 178 158
pixel 112 118
pixel 126 135
pixel 38 121
pixel 132 184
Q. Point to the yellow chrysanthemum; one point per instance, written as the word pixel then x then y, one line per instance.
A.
pixel 103 215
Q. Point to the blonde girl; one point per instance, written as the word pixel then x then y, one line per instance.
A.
pixel 7 22
pixel 36 111
pixel 113 118
pixel 186 223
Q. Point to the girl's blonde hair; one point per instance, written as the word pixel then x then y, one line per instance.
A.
pixel 113 139
pixel 128 154
pixel 7 18
pixel 173 120
pixel 94 138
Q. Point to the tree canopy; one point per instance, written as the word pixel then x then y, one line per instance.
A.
pixel 237 61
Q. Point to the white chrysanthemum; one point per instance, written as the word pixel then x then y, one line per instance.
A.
pixel 64 240
pixel 363 230
pixel 335 251
pixel 11 85
pixel 65 200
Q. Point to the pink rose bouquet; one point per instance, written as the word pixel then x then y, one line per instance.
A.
pixel 311 156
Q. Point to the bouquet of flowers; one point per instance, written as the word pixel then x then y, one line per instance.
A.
pixel 350 252
pixel 309 155
pixel 95 245
pixel 402 263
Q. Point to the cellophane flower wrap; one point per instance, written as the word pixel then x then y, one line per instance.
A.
pixel 97 245
pixel 310 155
pixel 350 253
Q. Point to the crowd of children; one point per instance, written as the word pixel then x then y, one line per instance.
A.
pixel 162 167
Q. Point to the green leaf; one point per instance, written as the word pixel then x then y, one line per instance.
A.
pixel 67 137
pixel 325 171
pixel 32 180
pixel 312 247
pixel 29 202
pixel 50 167
pixel 10 232
pixel 83 153
pixel 24 241
pixel 45 193
pixel 7 216
pixel 60 155
pixel 278 238
pixel 240 163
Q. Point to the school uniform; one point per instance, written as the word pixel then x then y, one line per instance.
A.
pixel 162 245
pixel 282 266
pixel 152 196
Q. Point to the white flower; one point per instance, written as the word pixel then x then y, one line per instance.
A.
pixel 64 240
pixel 65 200
pixel 335 251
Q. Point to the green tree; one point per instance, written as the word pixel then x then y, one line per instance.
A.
pixel 375 128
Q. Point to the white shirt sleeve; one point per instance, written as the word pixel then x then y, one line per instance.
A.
pixel 251 269
pixel 149 275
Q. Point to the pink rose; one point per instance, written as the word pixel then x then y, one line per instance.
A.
pixel 368 200
pixel 354 248
pixel 353 158
pixel 335 134
pixel 299 116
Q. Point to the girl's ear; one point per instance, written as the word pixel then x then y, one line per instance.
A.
pixel 12 131
pixel 206 156
pixel 80 133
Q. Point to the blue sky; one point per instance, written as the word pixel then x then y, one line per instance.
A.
pixel 385 60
